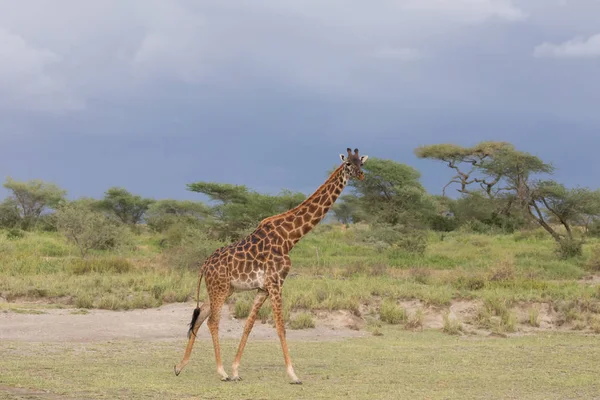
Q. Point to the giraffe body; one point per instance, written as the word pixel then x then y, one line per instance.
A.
pixel 261 262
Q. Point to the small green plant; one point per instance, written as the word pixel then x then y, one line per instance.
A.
pixel 303 320
pixel 391 313
pixel 415 320
pixel 15 234
pixel 595 325
pixel 593 263
pixel 117 265
pixel 451 325
pixel 242 308
pixel 470 281
pixel 569 248
pixel 265 312
pixel 421 275
pixel 502 272
pixel 84 301
pixel 534 317
pixel 508 322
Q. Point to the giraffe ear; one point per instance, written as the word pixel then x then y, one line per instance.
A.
pixel 363 159
pixel 342 157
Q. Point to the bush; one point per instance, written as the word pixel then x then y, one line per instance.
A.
pixel 470 281
pixel 47 223
pixel 391 313
pixel 594 229
pixel 303 320
pixel 100 265
pixel 14 234
pixel 451 325
pixel 502 272
pixel 188 246
pixel 569 248
pixel 441 223
pixel 9 214
pixel 242 308
pixel 90 230
pixel 406 238
pixel 593 263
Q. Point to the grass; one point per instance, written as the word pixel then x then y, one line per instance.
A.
pixel 303 320
pixel 398 364
pixel 348 274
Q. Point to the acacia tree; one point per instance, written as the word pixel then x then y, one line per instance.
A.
pixel 9 214
pixel 391 193
pixel 393 201
pixel 127 207
pixel 32 198
pixel 239 209
pixel 501 171
pixel 165 213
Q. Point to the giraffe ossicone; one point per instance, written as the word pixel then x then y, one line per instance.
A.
pixel 261 262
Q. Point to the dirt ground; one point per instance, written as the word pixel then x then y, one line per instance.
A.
pixel 170 322
pixel 165 323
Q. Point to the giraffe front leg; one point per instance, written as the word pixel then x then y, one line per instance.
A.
pixel 260 298
pixel 276 303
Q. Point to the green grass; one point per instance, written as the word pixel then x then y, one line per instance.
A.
pixel 347 274
pixel 398 364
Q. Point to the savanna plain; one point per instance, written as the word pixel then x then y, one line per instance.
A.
pixel 475 316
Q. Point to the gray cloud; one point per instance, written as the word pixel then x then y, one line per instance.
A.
pixel 69 51
pixel 176 86
pixel 578 47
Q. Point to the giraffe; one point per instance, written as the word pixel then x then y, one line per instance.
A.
pixel 261 262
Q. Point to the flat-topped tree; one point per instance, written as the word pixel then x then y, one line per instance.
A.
pixel 261 261
pixel 32 198
pixel 502 171
pixel 467 162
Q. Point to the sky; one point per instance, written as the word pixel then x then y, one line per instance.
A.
pixel 151 95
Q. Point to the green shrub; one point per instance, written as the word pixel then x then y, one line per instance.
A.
pixel 90 230
pixel 15 234
pixel 451 325
pixel 441 223
pixel 100 265
pixel 594 229
pixel 569 248
pixel 303 320
pixel 242 308
pixel 593 263
pixel 189 247
pixel 407 238
pixel 391 313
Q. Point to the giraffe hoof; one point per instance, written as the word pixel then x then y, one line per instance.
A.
pixel 236 378
pixel 296 382
pixel 177 372
pixel 226 379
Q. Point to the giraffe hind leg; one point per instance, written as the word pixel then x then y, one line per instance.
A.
pixel 198 318
pixel 213 326
pixel 277 304
pixel 260 298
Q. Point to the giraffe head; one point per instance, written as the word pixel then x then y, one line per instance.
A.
pixel 353 164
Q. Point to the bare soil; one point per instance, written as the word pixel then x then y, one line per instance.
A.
pixel 164 323
pixel 171 321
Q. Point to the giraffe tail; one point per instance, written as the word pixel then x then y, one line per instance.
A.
pixel 196 313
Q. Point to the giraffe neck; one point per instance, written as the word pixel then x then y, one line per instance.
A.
pixel 300 220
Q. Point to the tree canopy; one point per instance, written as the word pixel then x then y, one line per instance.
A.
pixel 239 209
pixel 509 178
pixel 32 198
pixel 127 207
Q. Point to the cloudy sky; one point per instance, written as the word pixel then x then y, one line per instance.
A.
pixel 154 94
